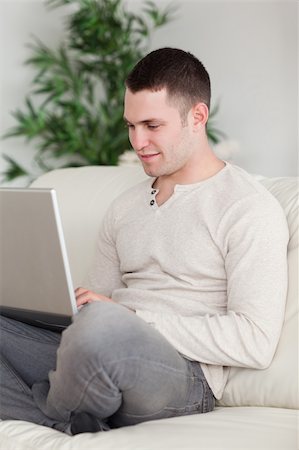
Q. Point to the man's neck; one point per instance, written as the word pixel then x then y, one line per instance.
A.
pixel 208 167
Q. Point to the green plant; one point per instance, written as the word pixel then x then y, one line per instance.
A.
pixel 76 106
pixel 213 133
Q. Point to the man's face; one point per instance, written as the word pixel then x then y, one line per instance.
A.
pixel 156 133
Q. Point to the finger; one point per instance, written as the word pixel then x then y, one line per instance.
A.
pixel 89 297
pixel 80 290
pixel 80 293
pixel 84 297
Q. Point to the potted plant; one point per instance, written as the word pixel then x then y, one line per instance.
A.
pixel 74 113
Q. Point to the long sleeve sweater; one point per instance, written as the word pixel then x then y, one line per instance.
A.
pixel 208 268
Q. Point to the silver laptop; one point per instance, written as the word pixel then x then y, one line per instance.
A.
pixel 35 278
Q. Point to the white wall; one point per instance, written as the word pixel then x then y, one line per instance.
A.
pixel 250 49
pixel 19 21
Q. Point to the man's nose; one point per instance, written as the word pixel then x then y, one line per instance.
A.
pixel 139 139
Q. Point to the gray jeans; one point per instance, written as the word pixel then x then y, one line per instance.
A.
pixel 108 363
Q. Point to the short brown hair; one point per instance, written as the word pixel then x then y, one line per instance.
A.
pixel 185 78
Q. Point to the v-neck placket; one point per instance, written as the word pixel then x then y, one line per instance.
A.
pixel 152 198
pixel 153 202
pixel 179 189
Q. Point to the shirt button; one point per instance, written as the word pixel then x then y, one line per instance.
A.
pixel 153 191
pixel 152 202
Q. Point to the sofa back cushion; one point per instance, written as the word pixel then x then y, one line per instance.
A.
pixel 84 195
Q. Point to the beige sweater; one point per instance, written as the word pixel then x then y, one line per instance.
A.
pixel 207 268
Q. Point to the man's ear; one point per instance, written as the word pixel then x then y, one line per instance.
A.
pixel 200 114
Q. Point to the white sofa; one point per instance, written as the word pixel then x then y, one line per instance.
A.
pixel 259 409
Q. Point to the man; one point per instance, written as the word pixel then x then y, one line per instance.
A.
pixel 190 277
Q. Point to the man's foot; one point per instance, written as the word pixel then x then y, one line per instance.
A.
pixel 83 422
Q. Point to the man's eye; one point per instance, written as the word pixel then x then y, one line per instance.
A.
pixel 153 127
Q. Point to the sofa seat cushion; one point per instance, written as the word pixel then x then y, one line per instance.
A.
pixel 225 428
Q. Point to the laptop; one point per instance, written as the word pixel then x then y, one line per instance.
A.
pixel 35 278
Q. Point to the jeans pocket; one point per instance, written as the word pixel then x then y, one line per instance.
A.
pixel 201 398
pixel 208 403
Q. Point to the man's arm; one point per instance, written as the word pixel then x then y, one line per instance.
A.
pixel 253 236
pixel 104 275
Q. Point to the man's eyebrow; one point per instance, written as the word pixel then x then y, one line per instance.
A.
pixel 154 119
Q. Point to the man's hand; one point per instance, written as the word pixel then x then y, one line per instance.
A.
pixel 84 296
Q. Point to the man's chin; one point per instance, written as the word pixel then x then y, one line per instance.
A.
pixel 150 172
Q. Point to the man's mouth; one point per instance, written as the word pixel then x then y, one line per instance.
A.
pixel 148 157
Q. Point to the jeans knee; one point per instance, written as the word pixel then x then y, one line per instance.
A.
pixel 98 330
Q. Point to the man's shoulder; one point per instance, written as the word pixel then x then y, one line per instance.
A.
pixel 239 180
pixel 239 197
pixel 249 202
pixel 132 197
pixel 237 185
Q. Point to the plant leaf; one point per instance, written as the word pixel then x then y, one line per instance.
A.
pixel 14 169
